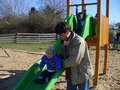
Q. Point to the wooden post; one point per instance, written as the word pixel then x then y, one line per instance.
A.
pixel 97 62
pixel 105 59
pixel 107 8
pixel 83 6
pixel 107 45
pixel 5 51
pixel 15 38
pixel 68 7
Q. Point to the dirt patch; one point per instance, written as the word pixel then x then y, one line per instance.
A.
pixel 13 68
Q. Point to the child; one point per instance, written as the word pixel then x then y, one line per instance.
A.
pixel 53 63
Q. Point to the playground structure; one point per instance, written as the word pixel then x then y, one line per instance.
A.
pixel 101 37
pixel 5 51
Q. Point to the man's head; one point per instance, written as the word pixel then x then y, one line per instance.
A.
pixel 50 51
pixel 63 30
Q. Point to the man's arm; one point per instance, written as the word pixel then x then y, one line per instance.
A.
pixel 77 53
pixel 58 63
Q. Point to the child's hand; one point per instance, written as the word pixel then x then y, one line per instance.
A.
pixel 40 68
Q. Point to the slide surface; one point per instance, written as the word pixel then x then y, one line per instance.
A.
pixel 88 27
pixel 27 82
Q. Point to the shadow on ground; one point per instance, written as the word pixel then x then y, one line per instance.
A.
pixel 13 76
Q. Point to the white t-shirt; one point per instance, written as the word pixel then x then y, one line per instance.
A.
pixel 115 34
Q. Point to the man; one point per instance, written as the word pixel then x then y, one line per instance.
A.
pixel 114 38
pixel 74 52
pixel 118 38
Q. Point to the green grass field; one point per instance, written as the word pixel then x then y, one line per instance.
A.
pixel 111 36
pixel 34 47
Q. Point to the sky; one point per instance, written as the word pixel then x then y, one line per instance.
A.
pixel 114 7
pixel 114 11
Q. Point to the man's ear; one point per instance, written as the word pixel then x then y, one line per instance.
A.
pixel 67 33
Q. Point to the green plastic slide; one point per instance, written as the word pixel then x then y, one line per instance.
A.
pixel 71 20
pixel 27 82
pixel 88 27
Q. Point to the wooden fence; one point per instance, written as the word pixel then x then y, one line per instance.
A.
pixel 27 37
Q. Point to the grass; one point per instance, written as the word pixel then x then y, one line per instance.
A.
pixel 111 36
pixel 34 47
pixel 1 66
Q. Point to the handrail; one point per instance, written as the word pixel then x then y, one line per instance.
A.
pixel 83 4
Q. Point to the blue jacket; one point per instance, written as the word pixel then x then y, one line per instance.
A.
pixel 54 63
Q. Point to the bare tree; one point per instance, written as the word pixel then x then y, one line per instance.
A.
pixel 13 7
pixel 56 4
pixel 51 12
pixel 59 6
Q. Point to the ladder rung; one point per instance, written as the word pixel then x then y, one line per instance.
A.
pixel 83 4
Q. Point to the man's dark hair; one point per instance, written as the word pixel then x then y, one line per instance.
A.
pixel 62 27
pixel 33 9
